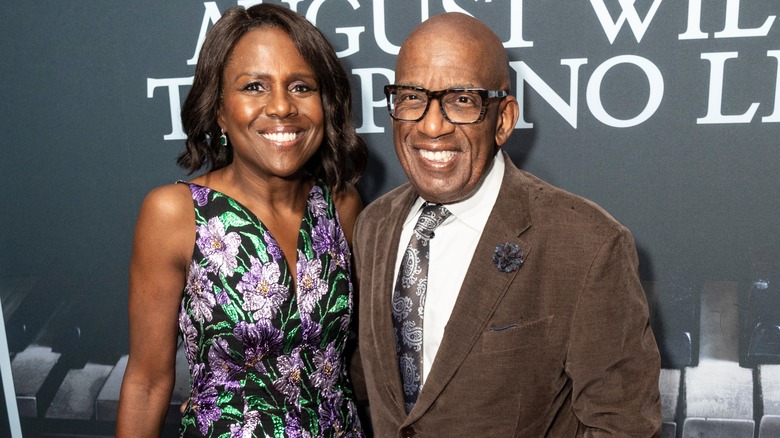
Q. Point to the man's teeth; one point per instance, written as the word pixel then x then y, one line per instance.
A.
pixel 440 156
pixel 281 137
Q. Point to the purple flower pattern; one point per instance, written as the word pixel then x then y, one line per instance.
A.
pixel 201 195
pixel 262 292
pixel 289 384
pixel 293 429
pixel 327 365
pixel 272 247
pixel 318 205
pixel 266 360
pixel 329 412
pixel 189 335
pixel 259 340
pixel 322 237
pixel 328 238
pixel 310 330
pixel 200 289
pixel 246 428
pixel 225 369
pixel 311 288
pixel 220 248
pixel 203 399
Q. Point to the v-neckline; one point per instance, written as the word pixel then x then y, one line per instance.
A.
pixel 259 223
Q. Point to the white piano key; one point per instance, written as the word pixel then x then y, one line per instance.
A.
pixel 29 369
pixel 75 399
pixel 719 394
pixel 769 379
pixel 719 390
pixel 107 401
pixel 717 428
pixel 669 387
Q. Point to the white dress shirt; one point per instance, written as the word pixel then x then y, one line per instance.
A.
pixel 451 250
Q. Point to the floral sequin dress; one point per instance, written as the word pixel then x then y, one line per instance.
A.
pixel 265 360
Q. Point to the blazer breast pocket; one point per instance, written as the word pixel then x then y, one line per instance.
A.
pixel 515 336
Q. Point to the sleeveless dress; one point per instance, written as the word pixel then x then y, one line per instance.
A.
pixel 265 360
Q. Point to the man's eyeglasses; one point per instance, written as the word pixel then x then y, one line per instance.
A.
pixel 459 106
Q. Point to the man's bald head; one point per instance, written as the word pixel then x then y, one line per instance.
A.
pixel 450 33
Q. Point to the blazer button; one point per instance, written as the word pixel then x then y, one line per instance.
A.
pixel 408 432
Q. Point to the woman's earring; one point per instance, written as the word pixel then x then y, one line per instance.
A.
pixel 223 139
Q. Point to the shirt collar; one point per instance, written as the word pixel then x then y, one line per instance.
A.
pixel 474 210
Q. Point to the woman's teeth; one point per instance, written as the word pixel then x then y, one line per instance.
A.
pixel 281 137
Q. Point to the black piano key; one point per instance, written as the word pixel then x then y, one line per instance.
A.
pixel 674 316
pixel 13 292
pixel 83 327
pixel 760 322
pixel 759 334
pixel 34 308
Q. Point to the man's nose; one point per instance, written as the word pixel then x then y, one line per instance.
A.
pixel 434 125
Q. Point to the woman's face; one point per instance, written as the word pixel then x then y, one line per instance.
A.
pixel 271 107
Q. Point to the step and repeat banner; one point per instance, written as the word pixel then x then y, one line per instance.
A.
pixel 664 112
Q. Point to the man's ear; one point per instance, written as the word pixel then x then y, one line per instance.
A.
pixel 508 113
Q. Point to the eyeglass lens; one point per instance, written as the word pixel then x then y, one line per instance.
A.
pixel 458 106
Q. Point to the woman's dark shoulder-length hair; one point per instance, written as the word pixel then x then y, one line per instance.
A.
pixel 340 160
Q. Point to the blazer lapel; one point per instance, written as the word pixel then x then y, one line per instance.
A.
pixel 482 289
pixel 381 322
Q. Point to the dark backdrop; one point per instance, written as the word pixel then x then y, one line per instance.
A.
pixel 665 113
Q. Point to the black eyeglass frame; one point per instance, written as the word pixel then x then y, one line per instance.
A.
pixel 485 95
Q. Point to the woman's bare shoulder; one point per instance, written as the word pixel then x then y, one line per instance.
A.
pixel 171 202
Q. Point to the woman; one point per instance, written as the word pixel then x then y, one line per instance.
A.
pixel 251 260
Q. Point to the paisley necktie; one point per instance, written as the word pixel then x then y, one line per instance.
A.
pixel 409 301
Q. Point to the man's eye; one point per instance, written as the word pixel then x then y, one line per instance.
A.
pixel 466 99
pixel 407 97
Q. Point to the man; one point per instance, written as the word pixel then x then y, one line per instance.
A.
pixel 529 319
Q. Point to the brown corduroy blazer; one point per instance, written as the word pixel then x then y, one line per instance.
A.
pixel 560 347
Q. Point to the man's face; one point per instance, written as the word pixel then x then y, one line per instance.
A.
pixel 445 162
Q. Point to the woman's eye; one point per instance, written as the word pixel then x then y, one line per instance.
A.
pixel 253 86
pixel 302 88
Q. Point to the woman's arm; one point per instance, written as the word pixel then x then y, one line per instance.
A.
pixel 162 247
pixel 348 205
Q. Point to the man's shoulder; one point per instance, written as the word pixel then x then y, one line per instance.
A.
pixel 372 228
pixel 552 206
pixel 381 206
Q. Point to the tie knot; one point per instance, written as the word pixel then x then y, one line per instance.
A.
pixel 431 217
